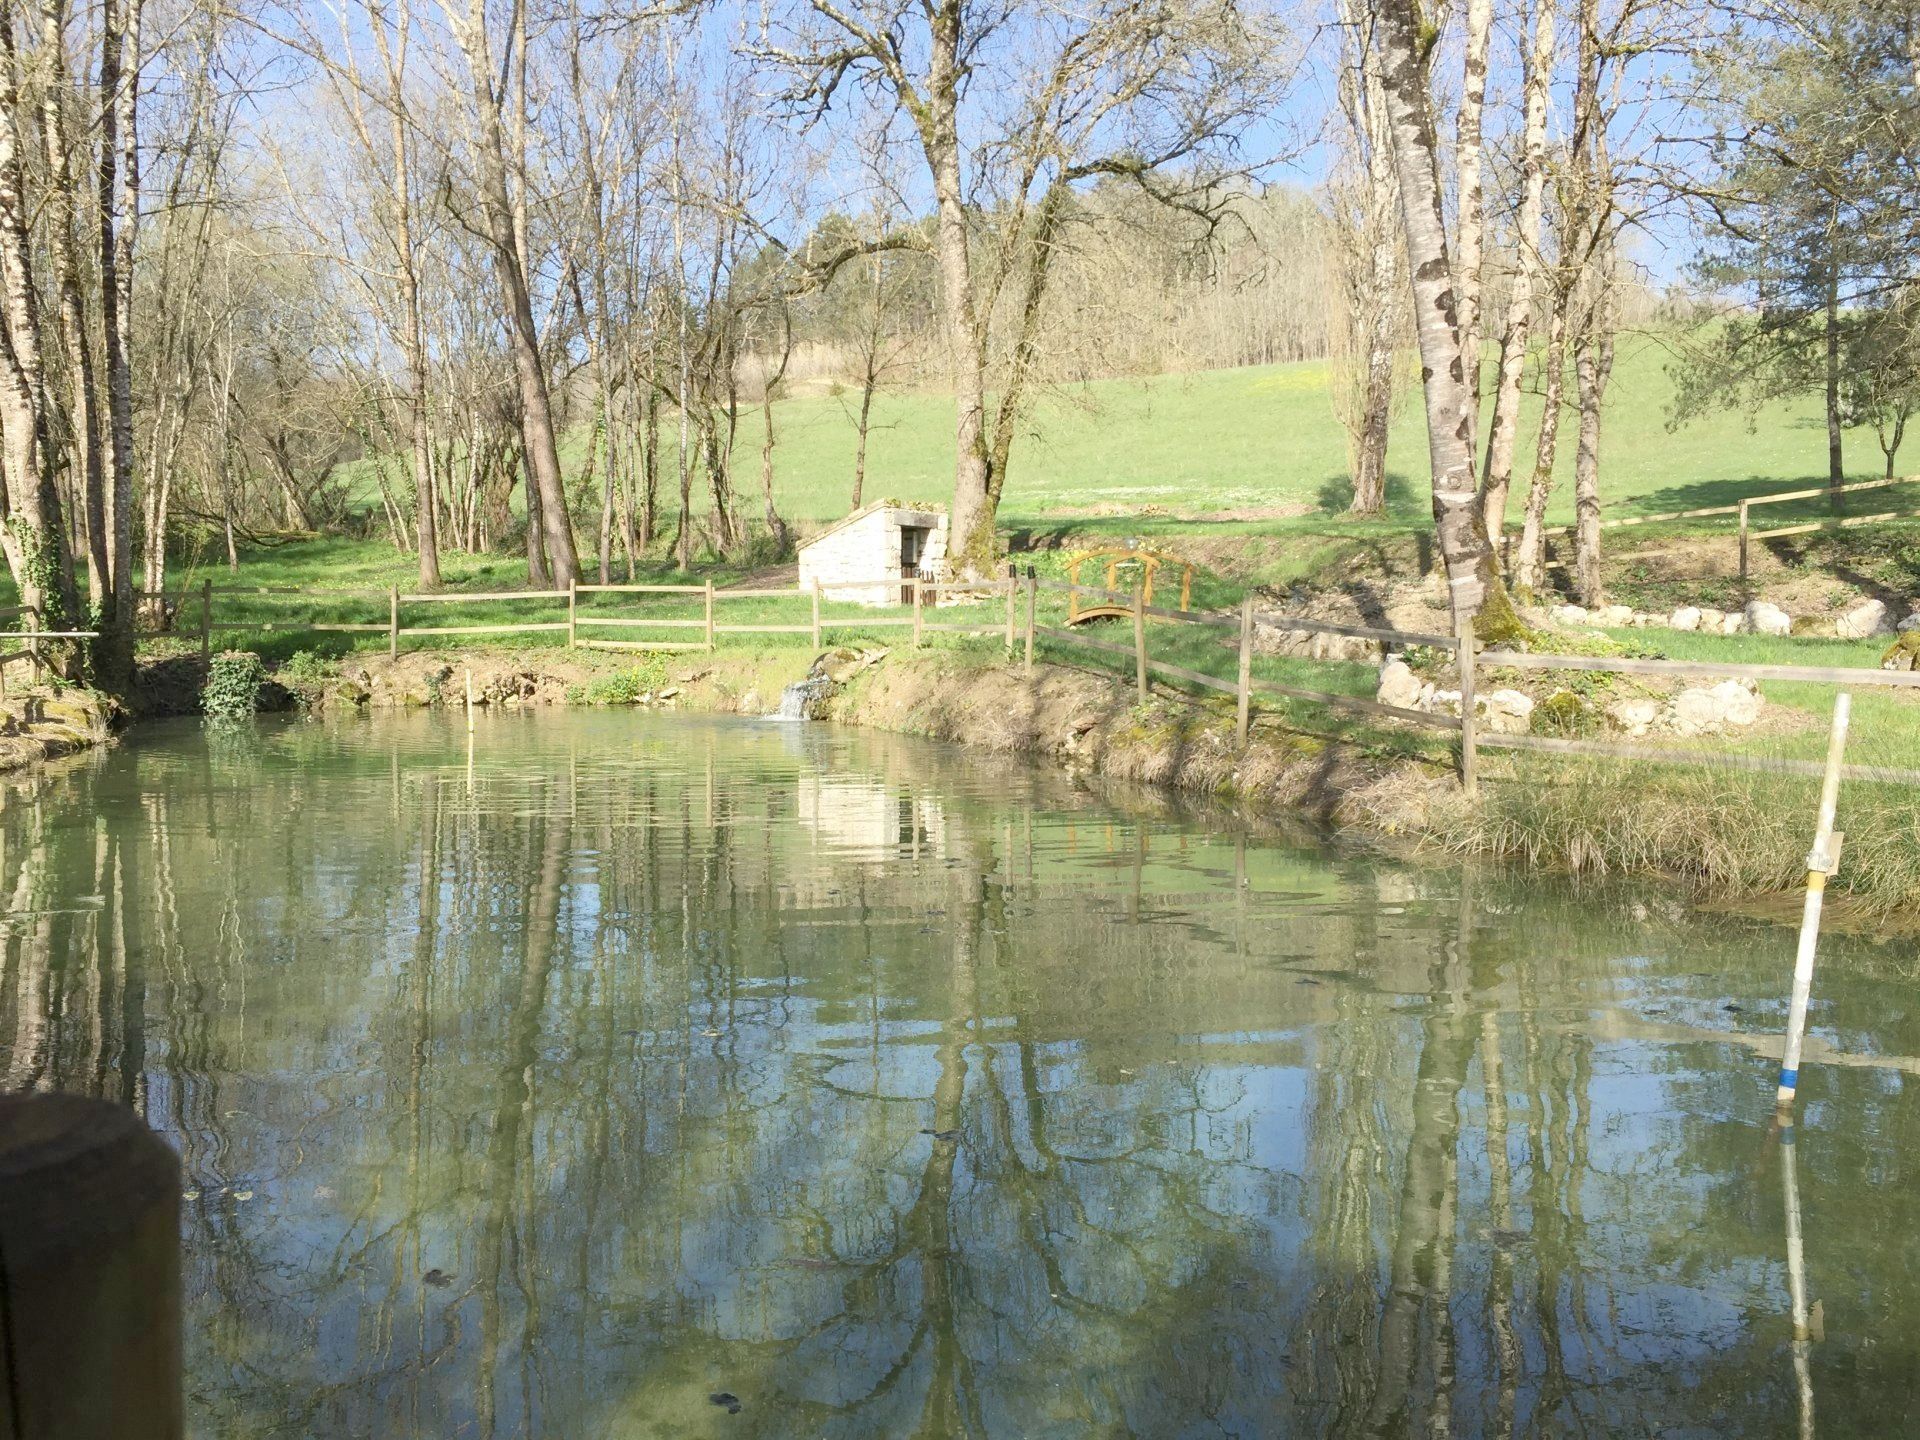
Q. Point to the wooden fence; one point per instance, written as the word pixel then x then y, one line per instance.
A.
pixel 1471 663
pixel 1742 512
pixel 585 628
pixel 29 640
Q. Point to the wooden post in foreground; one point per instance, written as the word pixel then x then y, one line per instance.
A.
pixel 1743 539
pixel 33 646
pixel 918 603
pixel 1033 587
pixel 393 622
pixel 1012 583
pixel 709 616
pixel 1140 640
pixel 90 1228
pixel 1467 656
pixel 573 608
pixel 469 699
pixel 1822 861
pixel 1243 703
pixel 206 622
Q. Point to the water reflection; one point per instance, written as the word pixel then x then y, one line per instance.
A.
pixel 554 1085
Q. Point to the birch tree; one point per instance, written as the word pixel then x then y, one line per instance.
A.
pixel 1517 334
pixel 1461 537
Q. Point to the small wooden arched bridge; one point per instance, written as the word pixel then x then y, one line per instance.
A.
pixel 1119 559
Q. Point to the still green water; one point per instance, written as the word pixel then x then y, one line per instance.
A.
pixel 626 1062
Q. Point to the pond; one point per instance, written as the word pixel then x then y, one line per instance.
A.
pixel 617 1075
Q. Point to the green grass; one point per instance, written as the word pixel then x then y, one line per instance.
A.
pixel 1217 443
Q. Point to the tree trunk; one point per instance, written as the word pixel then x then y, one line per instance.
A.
pixel 1472 218
pixel 1530 567
pixel 1836 464
pixel 650 470
pixel 861 426
pixel 503 232
pixel 119 209
pixel 83 411
pixel 1592 362
pixel 34 536
pixel 1497 476
pixel 971 548
pixel 413 333
pixel 1456 511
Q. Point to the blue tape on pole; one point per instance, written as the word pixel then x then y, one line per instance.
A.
pixel 1789 1079
pixel 1786 1134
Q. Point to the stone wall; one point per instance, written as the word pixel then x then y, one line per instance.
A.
pixel 865 548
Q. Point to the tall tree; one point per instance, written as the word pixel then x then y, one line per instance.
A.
pixel 1462 539
pixel 1529 240
pixel 1011 104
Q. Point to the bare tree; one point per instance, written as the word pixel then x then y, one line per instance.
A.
pixel 1462 540
pixel 1497 475
pixel 1011 104
pixel 1368 263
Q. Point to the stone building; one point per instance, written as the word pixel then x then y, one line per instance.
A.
pixel 882 542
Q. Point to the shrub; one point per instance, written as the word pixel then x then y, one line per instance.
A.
pixel 623 688
pixel 233 685
pixel 306 671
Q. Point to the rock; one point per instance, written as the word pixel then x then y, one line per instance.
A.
pixel 1613 616
pixel 1509 712
pixel 1869 617
pixel 1709 710
pixel 671 692
pixel 1687 617
pixel 1442 702
pixel 1733 623
pixel 1912 622
pixel 1695 712
pixel 1635 717
pixel 1568 614
pixel 1764 618
pixel 1399 686
pixel 1711 620
pixel 1738 701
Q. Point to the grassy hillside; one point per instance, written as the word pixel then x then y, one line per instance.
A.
pixel 1260 447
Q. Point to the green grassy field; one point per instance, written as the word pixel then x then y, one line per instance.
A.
pixel 1258 449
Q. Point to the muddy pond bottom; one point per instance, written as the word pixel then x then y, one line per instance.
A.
pixel 619 1075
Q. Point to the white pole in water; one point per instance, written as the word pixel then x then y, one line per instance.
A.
pixel 1823 860
pixel 1806 1324
pixel 469 699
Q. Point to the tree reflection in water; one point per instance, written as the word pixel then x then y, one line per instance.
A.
pixel 893 1092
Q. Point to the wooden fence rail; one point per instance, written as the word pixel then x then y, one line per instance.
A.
pixel 1245 687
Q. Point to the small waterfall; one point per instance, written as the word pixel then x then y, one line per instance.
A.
pixel 800 699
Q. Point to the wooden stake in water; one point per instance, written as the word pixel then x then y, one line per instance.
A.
pixel 1821 862
pixel 469 700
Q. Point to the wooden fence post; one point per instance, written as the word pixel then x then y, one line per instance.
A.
pixel 1033 586
pixel 918 603
pixel 573 607
pixel 710 644
pixel 33 646
pixel 206 622
pixel 90 1226
pixel 1140 640
pixel 1743 539
pixel 1012 584
pixel 1243 709
pixel 1822 861
pixel 1467 659
pixel 393 622
pixel 816 614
